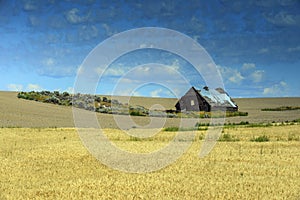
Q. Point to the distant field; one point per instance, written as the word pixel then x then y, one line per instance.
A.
pixel 52 163
pixel 23 113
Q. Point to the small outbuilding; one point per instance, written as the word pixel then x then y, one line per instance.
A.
pixel 206 100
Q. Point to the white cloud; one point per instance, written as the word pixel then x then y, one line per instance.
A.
pixel 283 84
pixel 142 76
pixel 231 75
pixel 248 72
pixel 118 71
pixel 263 51
pixel 15 87
pixel 293 49
pixel 196 24
pixel 30 5
pixel 248 66
pixel 145 72
pixel 111 71
pixel 49 62
pixel 34 87
pixel 34 21
pixel 56 21
pixel 169 92
pixel 70 90
pixel 257 76
pixel 56 71
pixel 126 92
pixel 156 93
pixel 73 16
pixel 278 89
pixel 236 78
pixel 283 19
pixel 135 93
pixel 108 30
pixel 88 32
pixel 146 46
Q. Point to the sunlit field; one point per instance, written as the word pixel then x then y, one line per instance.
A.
pixel 52 163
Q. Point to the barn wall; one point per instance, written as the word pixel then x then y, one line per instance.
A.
pixel 204 106
pixel 192 101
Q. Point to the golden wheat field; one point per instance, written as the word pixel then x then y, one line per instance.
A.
pixel 52 163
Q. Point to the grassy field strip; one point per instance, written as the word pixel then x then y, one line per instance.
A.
pixel 53 164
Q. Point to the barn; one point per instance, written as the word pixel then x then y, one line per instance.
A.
pixel 205 100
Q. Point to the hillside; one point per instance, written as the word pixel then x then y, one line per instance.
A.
pixel 23 113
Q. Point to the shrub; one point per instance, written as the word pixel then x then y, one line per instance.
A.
pixel 136 113
pixel 65 94
pixel 52 99
pixel 263 138
pixel 293 137
pixel 173 128
pixel 171 115
pixel 21 95
pixel 227 138
pixel 98 99
pixel 243 123
pixel 296 120
pixel 132 138
pixel 56 93
pixel 236 113
pixel 201 124
pixel 104 99
pixel 282 108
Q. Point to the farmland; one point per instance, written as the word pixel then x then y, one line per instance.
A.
pixel 23 113
pixel 52 163
pixel 42 156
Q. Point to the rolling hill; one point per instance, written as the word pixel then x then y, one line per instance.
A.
pixel 24 113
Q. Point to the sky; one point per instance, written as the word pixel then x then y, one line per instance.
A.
pixel 255 45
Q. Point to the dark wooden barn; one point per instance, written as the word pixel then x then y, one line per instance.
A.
pixel 206 100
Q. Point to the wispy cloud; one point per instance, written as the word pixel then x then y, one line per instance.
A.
pixel 247 73
pixel 14 87
pixel 257 76
pixel 231 75
pixel 74 16
pixel 50 67
pixel 88 32
pixel 294 49
pixel 284 19
pixel 156 93
pixel 248 66
pixel 30 5
pixel 278 89
pixel 108 30
pixel 34 87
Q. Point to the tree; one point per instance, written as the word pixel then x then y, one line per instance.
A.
pixel 53 99
pixel 98 99
pixel 65 94
pixel 56 93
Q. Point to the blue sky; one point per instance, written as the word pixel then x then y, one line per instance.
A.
pixel 255 44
